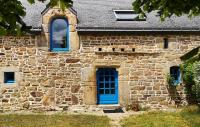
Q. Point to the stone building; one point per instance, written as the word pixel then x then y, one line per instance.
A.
pixel 97 52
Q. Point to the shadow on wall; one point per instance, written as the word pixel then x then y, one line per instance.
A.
pixel 191 97
pixel 176 94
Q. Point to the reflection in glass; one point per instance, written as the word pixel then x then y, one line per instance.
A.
pixel 59 34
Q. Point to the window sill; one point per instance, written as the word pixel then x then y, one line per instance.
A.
pixel 59 50
pixel 9 85
pixel 9 82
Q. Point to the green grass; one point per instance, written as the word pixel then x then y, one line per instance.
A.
pixel 188 117
pixel 53 121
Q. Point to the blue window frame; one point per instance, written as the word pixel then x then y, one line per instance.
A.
pixel 175 73
pixel 9 77
pixel 59 35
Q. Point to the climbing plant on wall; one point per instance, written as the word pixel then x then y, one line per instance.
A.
pixel 196 86
pixel 191 77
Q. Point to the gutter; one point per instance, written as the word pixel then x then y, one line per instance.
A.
pixel 39 29
pixel 131 30
pixel 113 29
pixel 35 30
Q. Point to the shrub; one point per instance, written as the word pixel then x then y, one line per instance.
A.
pixel 188 73
pixel 134 107
pixel 191 77
pixel 196 86
pixel 171 81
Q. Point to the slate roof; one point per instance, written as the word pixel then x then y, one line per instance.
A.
pixel 98 15
pixel 33 13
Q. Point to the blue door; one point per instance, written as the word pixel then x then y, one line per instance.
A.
pixel 107 86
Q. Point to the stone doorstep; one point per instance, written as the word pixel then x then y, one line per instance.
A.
pixel 96 108
pixel 110 107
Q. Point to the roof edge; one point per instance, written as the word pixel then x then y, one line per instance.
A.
pixel 48 7
pixel 137 29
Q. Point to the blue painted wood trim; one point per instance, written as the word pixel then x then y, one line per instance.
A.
pixel 107 98
pixel 10 81
pixel 117 85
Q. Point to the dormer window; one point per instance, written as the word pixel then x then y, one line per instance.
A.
pixel 59 35
pixel 127 15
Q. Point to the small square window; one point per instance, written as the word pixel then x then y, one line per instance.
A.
pixel 9 77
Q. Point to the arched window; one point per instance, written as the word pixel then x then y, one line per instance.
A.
pixel 59 35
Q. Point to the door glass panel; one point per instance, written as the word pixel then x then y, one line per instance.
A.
pixel 106 72
pixel 111 72
pixel 107 91
pixel 112 91
pixel 106 85
pixel 101 73
pixel 112 78
pixel 107 78
pixel 101 85
pixel 101 78
pixel 112 85
pixel 101 91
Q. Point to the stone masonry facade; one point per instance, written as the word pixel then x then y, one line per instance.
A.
pixel 48 80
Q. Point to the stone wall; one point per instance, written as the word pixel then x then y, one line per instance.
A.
pixel 57 80
pixel 48 80
pixel 142 63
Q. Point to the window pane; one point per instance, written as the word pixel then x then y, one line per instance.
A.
pixel 113 85
pixel 107 78
pixel 101 91
pixel 112 78
pixel 112 91
pixel 106 85
pixel 59 29
pixel 107 91
pixel 101 79
pixel 101 85
pixel 9 77
pixel 175 72
pixel 107 72
pixel 112 72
